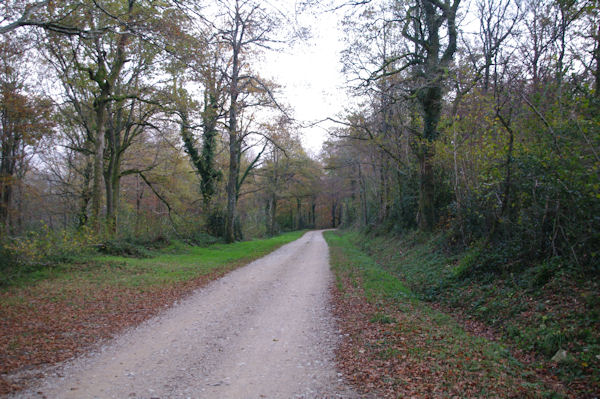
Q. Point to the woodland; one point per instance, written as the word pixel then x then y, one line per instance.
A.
pixel 474 135
pixel 141 122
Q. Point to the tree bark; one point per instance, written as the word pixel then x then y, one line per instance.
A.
pixel 98 169
pixel 299 213
pixel 234 140
pixel 112 177
pixel 427 213
pixel 273 226
pixel 7 171
pixel 234 170
pixel 333 212
pixel 596 55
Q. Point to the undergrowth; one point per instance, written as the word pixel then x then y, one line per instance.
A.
pixel 400 346
pixel 541 308
pixel 45 252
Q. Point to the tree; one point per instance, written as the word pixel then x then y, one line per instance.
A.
pixel 24 122
pixel 44 14
pixel 108 82
pixel 430 60
pixel 416 42
pixel 202 66
pixel 247 28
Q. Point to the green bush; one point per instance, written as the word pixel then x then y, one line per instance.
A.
pixel 40 249
pixel 215 224
pixel 124 248
pixel 202 239
pixel 47 246
pixel 8 260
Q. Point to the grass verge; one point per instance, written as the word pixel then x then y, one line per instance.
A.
pixel 59 311
pixel 540 311
pixel 398 346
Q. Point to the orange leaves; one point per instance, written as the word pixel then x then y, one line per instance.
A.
pixel 52 322
pixel 415 357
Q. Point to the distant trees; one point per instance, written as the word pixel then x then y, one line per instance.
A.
pixel 289 175
pixel 107 83
pixel 25 119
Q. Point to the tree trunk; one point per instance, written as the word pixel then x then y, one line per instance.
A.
pixel 7 167
pixel 299 213
pixel 238 233
pixel 105 81
pixel 6 199
pixel 382 214
pixel 138 203
pixel 431 102
pixel 427 217
pixel 234 169
pixel 86 194
pixel 596 55
pixel 115 183
pixel 363 197
pixel 333 212
pixel 210 175
pixel 98 170
pixel 234 141
pixel 108 191
pixel 273 215
pixel 7 170
pixel 112 180
pixel 268 206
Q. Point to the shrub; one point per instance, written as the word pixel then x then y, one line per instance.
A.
pixel 202 239
pixel 39 249
pixel 124 248
pixel 47 246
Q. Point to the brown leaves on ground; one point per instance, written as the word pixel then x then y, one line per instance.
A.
pixel 52 322
pixel 565 309
pixel 411 352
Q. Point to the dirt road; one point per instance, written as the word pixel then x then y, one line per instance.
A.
pixel 262 331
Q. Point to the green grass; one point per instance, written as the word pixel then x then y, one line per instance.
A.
pixel 189 262
pixel 430 335
pixel 414 259
pixel 542 310
pixel 375 280
pixel 175 263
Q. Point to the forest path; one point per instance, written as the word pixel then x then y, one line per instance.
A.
pixel 262 331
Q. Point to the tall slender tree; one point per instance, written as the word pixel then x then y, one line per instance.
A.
pixel 248 27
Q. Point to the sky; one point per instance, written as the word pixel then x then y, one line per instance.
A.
pixel 310 73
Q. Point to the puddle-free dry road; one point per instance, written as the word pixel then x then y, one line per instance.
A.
pixel 262 331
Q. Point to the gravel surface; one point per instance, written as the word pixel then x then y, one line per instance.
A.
pixel 262 331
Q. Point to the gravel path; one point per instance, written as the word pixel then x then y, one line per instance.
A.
pixel 262 331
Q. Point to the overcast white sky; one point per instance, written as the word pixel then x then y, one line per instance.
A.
pixel 310 72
